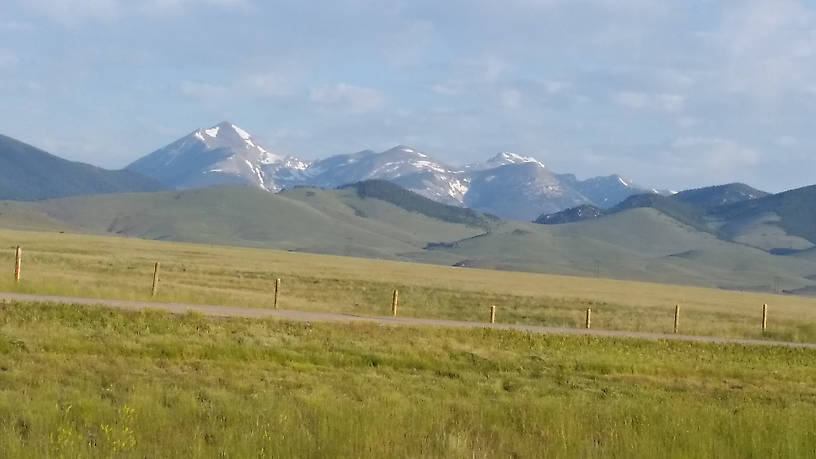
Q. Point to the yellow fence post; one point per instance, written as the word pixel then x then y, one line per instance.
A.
pixel 155 280
pixel 18 264
pixel 764 317
pixel 676 318
pixel 589 318
pixel 492 314
pixel 277 291
pixel 394 303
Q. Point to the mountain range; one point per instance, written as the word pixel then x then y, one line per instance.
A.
pixel 507 185
pixel 219 185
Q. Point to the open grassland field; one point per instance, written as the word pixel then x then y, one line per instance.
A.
pixel 113 267
pixel 92 382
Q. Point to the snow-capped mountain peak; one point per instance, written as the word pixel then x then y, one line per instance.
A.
pixel 504 159
pixel 217 155
pixel 405 165
pixel 512 158
pixel 508 185
pixel 228 135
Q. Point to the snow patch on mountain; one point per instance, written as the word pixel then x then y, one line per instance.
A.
pixel 242 133
pixel 218 155
pixel 504 159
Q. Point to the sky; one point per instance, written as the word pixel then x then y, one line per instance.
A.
pixel 670 94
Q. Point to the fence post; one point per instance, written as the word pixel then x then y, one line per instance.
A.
pixel 492 314
pixel 764 317
pixel 394 303
pixel 589 318
pixel 277 291
pixel 18 263
pixel 155 280
pixel 676 318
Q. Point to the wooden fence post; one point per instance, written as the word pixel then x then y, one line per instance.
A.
pixel 764 317
pixel 676 318
pixel 155 280
pixel 18 263
pixel 492 314
pixel 394 303
pixel 589 318
pixel 277 292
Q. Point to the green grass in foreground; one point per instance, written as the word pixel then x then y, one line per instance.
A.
pixel 89 382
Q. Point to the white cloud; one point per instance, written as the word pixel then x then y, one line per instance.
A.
pixel 767 48
pixel 269 84
pixel 553 87
pixel 75 12
pixel 787 141
pixel 165 5
pixel 494 68
pixel 510 98
pixel 204 92
pixel 448 88
pixel 16 26
pixel 257 85
pixel 681 163
pixel 664 102
pixel 485 69
pixel 407 45
pixel 688 122
pixel 346 98
pixel 8 59
pixel 710 155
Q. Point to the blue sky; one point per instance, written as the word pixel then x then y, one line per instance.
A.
pixel 669 94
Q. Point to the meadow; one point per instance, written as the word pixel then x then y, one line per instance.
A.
pixel 92 382
pixel 119 267
pixel 78 381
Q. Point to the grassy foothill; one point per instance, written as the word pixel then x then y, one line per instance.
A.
pixel 92 382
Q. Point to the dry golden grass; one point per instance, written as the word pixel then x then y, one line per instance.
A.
pixel 97 266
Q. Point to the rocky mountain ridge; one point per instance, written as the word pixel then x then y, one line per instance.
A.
pixel 507 185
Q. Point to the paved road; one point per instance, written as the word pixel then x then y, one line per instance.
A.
pixel 305 316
